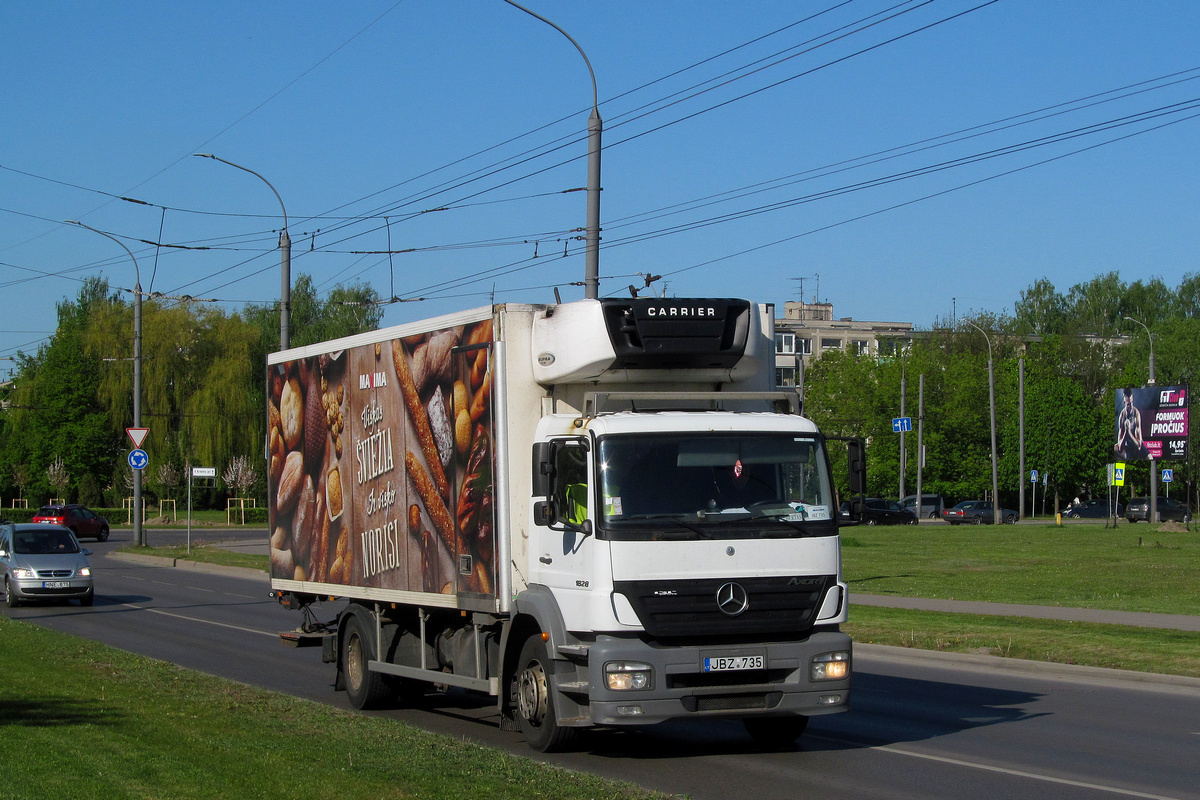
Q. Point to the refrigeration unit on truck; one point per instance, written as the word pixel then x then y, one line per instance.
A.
pixel 601 513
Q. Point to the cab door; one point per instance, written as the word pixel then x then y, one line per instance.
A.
pixel 562 544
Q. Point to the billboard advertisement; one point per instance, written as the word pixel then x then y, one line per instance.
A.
pixel 1152 422
pixel 381 464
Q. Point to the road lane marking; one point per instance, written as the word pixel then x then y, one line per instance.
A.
pixel 197 619
pixel 1007 771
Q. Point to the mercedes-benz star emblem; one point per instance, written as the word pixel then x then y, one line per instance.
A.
pixel 732 599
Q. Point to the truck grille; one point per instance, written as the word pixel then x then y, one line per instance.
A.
pixel 689 608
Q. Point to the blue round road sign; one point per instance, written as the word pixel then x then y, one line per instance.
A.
pixel 138 459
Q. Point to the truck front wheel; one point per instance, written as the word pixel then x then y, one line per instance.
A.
pixel 364 688
pixel 535 700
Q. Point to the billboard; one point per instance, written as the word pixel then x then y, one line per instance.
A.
pixel 381 465
pixel 1152 422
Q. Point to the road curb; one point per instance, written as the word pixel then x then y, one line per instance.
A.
pixel 1049 669
pixel 195 566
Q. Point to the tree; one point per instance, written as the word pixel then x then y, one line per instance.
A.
pixel 56 410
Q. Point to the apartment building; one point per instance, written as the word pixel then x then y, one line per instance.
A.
pixel 807 330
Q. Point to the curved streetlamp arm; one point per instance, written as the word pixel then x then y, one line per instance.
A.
pixel 136 270
pixel 591 278
pixel 255 174
pixel 1149 336
pixel 285 257
pixel 595 94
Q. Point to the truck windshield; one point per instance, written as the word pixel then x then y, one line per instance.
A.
pixel 689 486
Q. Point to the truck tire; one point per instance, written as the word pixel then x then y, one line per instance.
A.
pixel 535 700
pixel 364 688
pixel 775 733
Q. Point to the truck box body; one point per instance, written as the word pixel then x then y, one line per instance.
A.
pixel 484 484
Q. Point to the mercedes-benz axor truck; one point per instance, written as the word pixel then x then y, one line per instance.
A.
pixel 601 513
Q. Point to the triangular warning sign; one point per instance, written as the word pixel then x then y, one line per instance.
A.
pixel 138 435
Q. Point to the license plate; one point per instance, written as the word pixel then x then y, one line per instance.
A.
pixel 55 584
pixel 731 663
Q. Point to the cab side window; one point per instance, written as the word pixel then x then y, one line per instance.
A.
pixel 571 483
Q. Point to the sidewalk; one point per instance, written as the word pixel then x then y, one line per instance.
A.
pixel 1178 622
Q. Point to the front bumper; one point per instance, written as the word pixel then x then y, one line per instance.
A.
pixel 681 688
pixel 45 588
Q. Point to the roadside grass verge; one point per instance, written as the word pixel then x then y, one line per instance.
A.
pixel 1129 568
pixel 1165 652
pixel 91 721
pixel 203 552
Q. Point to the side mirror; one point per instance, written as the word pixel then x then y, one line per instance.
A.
pixel 87 552
pixel 543 468
pixel 543 513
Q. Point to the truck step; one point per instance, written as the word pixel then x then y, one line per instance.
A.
pixel 574 650
pixel 580 687
pixel 301 639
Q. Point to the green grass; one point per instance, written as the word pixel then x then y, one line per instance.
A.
pixel 205 552
pixel 1165 652
pixel 1129 568
pixel 201 518
pixel 84 720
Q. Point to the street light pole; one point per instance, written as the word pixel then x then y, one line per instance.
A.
pixel 139 535
pixel 591 280
pixel 1153 465
pixel 285 257
pixel 992 404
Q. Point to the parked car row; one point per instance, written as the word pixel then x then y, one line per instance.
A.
pixel 1096 508
pixel 977 512
pixel 1169 508
pixel 877 511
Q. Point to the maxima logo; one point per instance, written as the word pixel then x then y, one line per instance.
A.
pixel 372 380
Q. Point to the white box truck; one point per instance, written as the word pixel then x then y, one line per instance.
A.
pixel 601 513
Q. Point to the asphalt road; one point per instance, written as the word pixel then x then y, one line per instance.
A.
pixel 922 725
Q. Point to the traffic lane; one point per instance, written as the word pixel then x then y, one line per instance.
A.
pixel 1079 729
pixel 197 620
pixel 914 730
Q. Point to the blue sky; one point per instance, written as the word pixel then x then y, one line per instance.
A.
pixel 456 128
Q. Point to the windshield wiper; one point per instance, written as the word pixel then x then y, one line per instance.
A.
pixel 672 518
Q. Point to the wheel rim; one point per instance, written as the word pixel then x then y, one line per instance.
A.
pixel 354 662
pixel 532 693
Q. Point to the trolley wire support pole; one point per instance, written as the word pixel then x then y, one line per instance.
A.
pixel 591 279
pixel 139 535
pixel 992 404
pixel 285 257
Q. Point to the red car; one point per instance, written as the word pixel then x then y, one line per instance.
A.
pixel 82 521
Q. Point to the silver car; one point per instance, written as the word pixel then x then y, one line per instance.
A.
pixel 43 562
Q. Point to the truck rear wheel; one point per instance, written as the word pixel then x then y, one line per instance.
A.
pixel 364 688
pixel 775 732
pixel 535 700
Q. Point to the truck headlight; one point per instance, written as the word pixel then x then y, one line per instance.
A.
pixel 830 666
pixel 621 676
